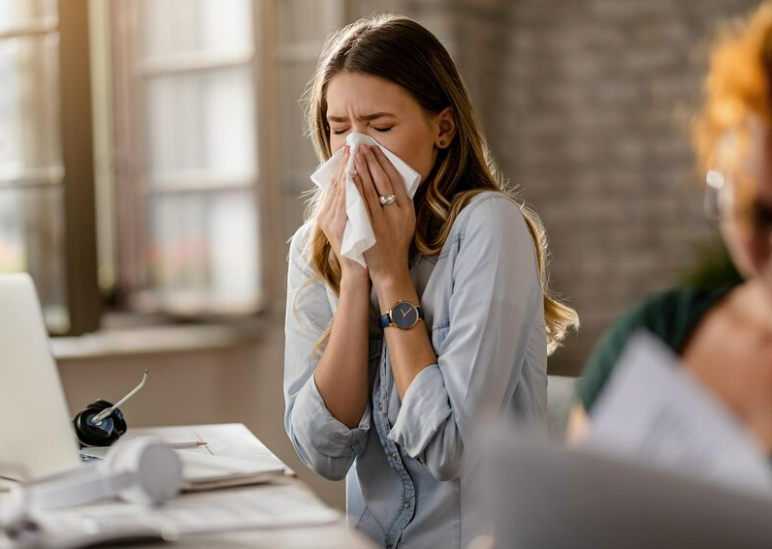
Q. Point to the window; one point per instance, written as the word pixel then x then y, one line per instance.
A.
pixel 188 181
pixel 42 174
pixel 180 196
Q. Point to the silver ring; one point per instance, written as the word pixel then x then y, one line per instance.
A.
pixel 386 200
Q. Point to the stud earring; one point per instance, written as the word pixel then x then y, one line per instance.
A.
pixel 442 143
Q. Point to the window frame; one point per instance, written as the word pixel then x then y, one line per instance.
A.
pixel 84 300
pixel 129 157
pixel 75 176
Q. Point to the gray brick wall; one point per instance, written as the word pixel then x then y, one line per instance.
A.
pixel 586 104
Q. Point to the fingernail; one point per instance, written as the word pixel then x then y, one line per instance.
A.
pixel 360 157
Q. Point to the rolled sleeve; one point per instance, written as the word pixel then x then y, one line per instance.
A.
pixel 424 410
pixel 322 442
pixel 316 427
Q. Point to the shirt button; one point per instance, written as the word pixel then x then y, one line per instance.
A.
pixel 407 505
pixel 380 407
pixel 393 457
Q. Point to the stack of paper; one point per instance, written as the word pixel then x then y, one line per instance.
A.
pixel 203 471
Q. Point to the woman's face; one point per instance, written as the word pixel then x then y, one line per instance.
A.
pixel 746 212
pixel 386 112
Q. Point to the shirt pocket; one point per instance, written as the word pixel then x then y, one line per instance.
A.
pixel 438 335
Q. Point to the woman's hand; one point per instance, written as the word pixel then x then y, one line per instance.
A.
pixel 332 221
pixel 393 224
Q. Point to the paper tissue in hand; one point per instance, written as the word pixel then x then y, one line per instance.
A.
pixel 358 236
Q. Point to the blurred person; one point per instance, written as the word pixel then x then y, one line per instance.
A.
pixel 390 408
pixel 723 335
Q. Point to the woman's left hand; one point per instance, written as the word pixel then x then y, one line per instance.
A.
pixel 393 224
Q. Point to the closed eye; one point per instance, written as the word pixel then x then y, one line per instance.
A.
pixel 381 130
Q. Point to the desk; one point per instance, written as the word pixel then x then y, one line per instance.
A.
pixel 235 440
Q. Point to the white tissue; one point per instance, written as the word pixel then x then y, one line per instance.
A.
pixel 358 235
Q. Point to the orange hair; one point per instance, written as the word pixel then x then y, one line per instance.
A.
pixel 737 89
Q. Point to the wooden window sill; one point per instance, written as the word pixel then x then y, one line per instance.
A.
pixel 130 340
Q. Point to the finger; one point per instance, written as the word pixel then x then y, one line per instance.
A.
pixel 379 177
pixel 324 212
pixel 358 183
pixel 337 180
pixel 370 193
pixel 339 203
pixel 326 216
pixel 397 184
pixel 332 188
pixel 340 172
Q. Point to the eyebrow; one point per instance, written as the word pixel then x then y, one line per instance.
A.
pixel 366 117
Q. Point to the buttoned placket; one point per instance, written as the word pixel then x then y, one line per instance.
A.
pixel 405 513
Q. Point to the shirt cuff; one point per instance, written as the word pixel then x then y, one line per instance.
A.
pixel 314 422
pixel 424 410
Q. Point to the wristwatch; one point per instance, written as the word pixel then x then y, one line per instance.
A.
pixel 403 315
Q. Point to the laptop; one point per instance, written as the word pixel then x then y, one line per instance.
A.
pixel 36 435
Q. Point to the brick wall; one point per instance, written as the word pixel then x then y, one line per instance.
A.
pixel 586 106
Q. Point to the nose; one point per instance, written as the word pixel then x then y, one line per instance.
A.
pixel 359 126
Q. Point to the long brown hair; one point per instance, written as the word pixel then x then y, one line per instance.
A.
pixel 403 52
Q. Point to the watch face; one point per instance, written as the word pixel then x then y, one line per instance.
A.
pixel 404 315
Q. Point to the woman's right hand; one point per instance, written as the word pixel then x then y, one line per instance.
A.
pixel 332 221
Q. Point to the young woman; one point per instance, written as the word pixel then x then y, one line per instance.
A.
pixel 462 261
pixel 723 335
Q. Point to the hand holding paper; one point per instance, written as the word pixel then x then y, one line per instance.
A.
pixel 358 236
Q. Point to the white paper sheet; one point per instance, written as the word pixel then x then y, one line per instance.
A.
pixel 204 471
pixel 266 507
pixel 652 409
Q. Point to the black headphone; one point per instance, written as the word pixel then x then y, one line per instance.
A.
pixel 102 423
pixel 105 432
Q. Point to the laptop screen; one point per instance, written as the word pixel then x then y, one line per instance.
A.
pixel 35 429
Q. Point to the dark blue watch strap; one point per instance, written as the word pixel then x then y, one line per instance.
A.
pixel 384 321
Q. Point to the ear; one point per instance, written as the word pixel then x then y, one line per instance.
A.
pixel 445 123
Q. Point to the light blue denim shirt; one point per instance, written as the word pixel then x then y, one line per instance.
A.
pixel 482 300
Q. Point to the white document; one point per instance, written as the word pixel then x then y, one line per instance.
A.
pixel 266 507
pixel 203 471
pixel 653 410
